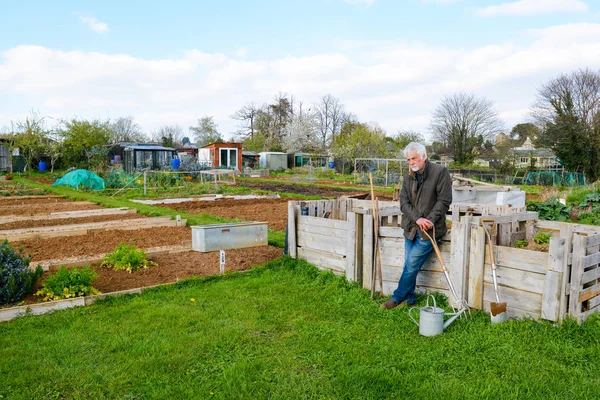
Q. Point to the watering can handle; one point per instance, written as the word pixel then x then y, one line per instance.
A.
pixel 411 317
pixel 433 298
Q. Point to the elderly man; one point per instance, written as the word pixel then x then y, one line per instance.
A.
pixel 424 200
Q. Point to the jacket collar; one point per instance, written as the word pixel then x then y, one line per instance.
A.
pixel 413 174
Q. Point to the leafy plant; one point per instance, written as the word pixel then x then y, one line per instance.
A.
pixel 521 243
pixel 128 258
pixel 16 279
pixel 542 238
pixel 551 210
pixel 67 283
pixel 592 197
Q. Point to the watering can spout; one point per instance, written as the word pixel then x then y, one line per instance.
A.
pixel 454 317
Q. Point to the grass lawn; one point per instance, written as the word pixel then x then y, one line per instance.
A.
pixel 286 331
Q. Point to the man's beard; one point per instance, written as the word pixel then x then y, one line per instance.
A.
pixel 414 168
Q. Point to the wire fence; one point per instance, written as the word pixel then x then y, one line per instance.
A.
pixel 385 171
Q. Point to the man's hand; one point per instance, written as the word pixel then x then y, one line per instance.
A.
pixel 424 224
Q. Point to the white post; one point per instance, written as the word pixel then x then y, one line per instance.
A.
pixel 222 259
pixel 144 183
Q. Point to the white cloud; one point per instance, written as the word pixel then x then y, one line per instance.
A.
pixel 397 84
pixel 94 24
pixel 532 7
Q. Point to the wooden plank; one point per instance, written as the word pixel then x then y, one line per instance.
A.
pixel 390 231
pixel 527 301
pixel 591 275
pixel 503 219
pixel 67 214
pixel 593 240
pixel 392 251
pixel 527 260
pixel 566 233
pixel 514 312
pixel 321 230
pixel 359 248
pixel 476 267
pixel 329 223
pixel 516 278
pixel 459 259
pixel 351 248
pixel 367 250
pixel 291 230
pixel 322 242
pixel 594 302
pixel 323 259
pixel 588 293
pixel 390 211
pixel 576 275
pixel 554 280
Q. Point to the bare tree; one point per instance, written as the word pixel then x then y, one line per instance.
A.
pixel 168 135
pixel 462 122
pixel 247 116
pixel 330 117
pixel 125 129
pixel 568 110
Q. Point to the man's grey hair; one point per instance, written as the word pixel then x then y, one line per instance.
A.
pixel 414 146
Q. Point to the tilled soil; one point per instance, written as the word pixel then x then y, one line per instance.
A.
pixel 36 209
pixel 272 211
pixel 300 189
pixel 18 201
pixel 172 268
pixel 102 242
pixel 67 221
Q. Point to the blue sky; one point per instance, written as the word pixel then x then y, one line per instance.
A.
pixel 389 62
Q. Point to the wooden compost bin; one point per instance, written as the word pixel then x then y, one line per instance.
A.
pixel 338 235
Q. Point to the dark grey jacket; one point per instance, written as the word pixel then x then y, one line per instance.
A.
pixel 432 199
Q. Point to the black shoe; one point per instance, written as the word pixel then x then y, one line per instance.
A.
pixel 388 305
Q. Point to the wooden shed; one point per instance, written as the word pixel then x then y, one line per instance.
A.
pixel 221 155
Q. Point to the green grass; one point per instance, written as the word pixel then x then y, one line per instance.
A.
pixel 286 331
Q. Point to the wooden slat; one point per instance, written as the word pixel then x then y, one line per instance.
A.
pixel 351 247
pixel 516 279
pixel 553 281
pixel 588 293
pixel 576 275
pixel 594 302
pixel 503 219
pixel 527 301
pixel 430 279
pixel 322 242
pixel 514 313
pixel 322 230
pixel 591 275
pixel 528 260
pixel 593 240
pixel 367 250
pixel 459 256
pixel 389 231
pixel 314 221
pixel 291 230
pixel 566 233
pixel 591 259
pixel 323 259
pixel 476 267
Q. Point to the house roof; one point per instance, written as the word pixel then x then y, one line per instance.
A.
pixel 148 147
pixel 250 154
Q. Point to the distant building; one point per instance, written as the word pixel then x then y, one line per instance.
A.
pixel 543 159
pixel 221 155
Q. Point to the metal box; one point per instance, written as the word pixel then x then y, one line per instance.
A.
pixel 235 235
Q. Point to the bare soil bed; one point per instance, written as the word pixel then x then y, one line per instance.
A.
pixel 47 208
pixel 102 242
pixel 17 201
pixel 272 211
pixel 300 189
pixel 66 221
pixel 42 179
pixel 172 268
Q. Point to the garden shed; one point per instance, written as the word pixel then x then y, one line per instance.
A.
pixel 221 155
pixel 142 155
pixel 300 159
pixel 273 160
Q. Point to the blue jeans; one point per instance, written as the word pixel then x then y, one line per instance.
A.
pixel 415 254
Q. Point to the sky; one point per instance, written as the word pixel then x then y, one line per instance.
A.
pixel 390 62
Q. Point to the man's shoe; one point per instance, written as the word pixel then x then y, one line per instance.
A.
pixel 388 305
